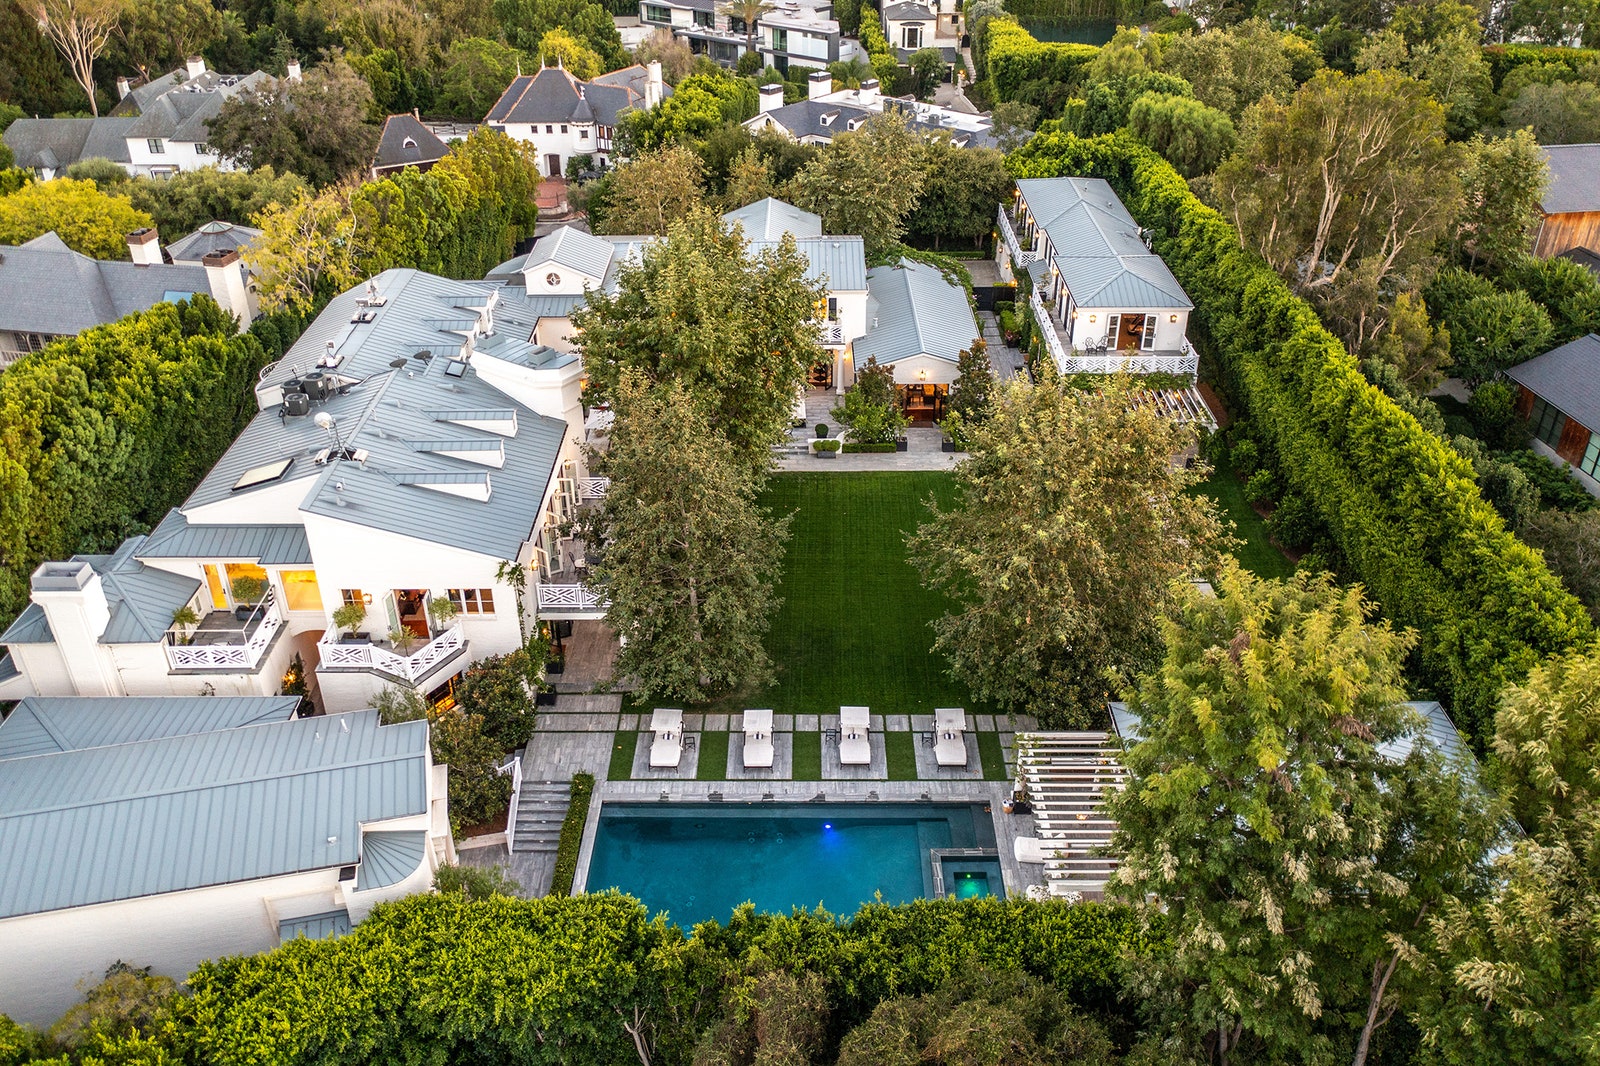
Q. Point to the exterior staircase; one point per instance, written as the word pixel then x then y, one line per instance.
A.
pixel 541 808
pixel 1067 776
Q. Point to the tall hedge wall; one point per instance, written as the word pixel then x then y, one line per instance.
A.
pixel 1009 57
pixel 1402 505
pixel 1504 58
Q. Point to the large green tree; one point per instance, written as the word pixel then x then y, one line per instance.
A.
pixel 964 185
pixel 737 330
pixel 1062 551
pixel 525 22
pixel 86 219
pixel 651 191
pixel 1191 136
pixel 866 182
pixel 1293 860
pixel 476 72
pixel 318 127
pixel 189 199
pixel 1504 181
pixel 685 556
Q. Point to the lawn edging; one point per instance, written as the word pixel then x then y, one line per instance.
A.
pixel 572 835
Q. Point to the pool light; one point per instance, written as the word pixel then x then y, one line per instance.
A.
pixel 827 825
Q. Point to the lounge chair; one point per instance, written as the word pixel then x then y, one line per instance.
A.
pixel 758 740
pixel 854 748
pixel 667 748
pixel 950 745
pixel 1032 849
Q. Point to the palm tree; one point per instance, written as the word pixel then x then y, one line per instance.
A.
pixel 852 72
pixel 748 12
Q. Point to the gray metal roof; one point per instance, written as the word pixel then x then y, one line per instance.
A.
pixel 176 813
pixel 1574 179
pixel 315 926
pixel 30 627
pixel 770 219
pixel 212 237
pixel 56 143
pixel 387 858
pixel 406 142
pixel 385 409
pixel 836 262
pixel 1567 378
pixel 141 598
pixel 571 247
pixel 177 538
pixel 46 287
pixel 1134 282
pixel 41 725
pixel 554 95
pixel 918 311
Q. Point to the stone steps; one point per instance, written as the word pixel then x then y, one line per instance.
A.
pixel 541 808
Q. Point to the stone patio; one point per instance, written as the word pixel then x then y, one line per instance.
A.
pixel 782 768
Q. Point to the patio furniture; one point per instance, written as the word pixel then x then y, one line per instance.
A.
pixel 854 748
pixel 758 739
pixel 1032 849
pixel 950 744
pixel 667 748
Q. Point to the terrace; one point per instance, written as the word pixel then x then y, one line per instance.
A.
pixel 224 642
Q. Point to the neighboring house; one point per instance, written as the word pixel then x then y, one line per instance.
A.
pixel 213 237
pixel 792 32
pixel 157 128
pixel 48 291
pixel 919 321
pixel 824 114
pixel 406 142
pixel 1571 202
pixel 1108 302
pixel 1558 393
pixel 413 440
pixel 563 117
pixel 164 832
pixel 912 25
pixel 568 263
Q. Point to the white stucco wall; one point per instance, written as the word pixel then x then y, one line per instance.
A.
pixel 579 139
pixel 180 154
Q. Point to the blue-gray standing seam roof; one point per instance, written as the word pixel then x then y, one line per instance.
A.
pixel 46 725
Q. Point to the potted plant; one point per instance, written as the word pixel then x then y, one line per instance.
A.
pixel 247 593
pixel 826 449
pixel 183 618
pixel 443 610
pixel 403 640
pixel 347 618
pixel 822 431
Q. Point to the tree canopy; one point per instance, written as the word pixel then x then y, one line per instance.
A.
pixel 87 220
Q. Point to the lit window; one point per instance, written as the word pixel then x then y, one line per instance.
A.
pixel 349 596
pixel 473 601
pixel 300 592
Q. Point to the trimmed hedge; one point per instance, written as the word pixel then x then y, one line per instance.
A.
pixel 885 64
pixel 1403 507
pixel 572 835
pixel 1504 58
pixel 1012 57
pixel 859 448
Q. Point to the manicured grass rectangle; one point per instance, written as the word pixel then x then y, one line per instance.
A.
pixel 622 752
pixel 992 758
pixel 713 764
pixel 900 751
pixel 1256 552
pixel 807 757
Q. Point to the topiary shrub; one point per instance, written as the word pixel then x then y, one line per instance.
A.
pixel 822 430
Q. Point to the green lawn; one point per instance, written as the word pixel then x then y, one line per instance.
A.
pixel 713 765
pixel 900 751
pixel 1256 552
pixel 807 757
pixel 992 757
pixel 622 751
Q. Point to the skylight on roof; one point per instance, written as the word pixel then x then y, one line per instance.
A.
pixel 175 296
pixel 260 475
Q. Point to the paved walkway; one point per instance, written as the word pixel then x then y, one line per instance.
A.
pixel 922 453
pixel 1007 362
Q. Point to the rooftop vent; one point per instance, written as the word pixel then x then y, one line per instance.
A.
pixel 363 317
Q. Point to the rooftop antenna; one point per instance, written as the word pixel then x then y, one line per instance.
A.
pixel 325 420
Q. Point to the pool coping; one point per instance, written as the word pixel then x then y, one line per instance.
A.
pixel 859 792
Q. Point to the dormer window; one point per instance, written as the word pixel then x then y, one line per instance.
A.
pixel 854 124
pixel 408 143
pixel 827 119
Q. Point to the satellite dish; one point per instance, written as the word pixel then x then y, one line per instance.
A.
pixel 398 364
pixel 323 419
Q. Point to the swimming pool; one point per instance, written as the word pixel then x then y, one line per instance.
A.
pixel 700 861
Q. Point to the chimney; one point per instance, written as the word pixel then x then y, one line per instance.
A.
pixel 819 84
pixel 74 603
pixel 194 67
pixel 771 97
pixel 144 247
pixel 293 71
pixel 123 88
pixel 652 85
pixel 226 278
pixel 868 93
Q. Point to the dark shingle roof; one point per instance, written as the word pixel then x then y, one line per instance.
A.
pixel 54 143
pixel 46 287
pixel 181 111
pixel 553 95
pixel 907 12
pixel 1567 378
pixel 212 237
pixel 406 142
pixel 1585 258
pixel 804 118
pixel 1574 179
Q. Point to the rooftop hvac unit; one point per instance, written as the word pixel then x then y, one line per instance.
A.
pixel 296 403
pixel 317 386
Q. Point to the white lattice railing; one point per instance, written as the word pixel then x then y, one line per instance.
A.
pixel 593 488
pixel 831 333
pixel 1184 361
pixel 1013 245
pixel 228 656
pixel 514 768
pixel 570 598
pixel 1047 329
pixel 411 668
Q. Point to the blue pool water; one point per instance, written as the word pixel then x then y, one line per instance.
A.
pixel 699 862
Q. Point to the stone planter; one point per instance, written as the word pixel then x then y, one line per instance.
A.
pixel 901 444
pixel 947 445
pixel 821 454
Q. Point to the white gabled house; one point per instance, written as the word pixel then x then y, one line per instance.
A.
pixel 167 831
pixel 413 440
pixel 563 117
pixel 1104 302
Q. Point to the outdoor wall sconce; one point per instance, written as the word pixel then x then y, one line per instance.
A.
pixel 1172 318
pixel 922 375
pixel 1074 315
pixel 1091 318
pixel 366 598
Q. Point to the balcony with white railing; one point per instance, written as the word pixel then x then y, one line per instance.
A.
pixel 1013 245
pixel 831 334
pixel 223 643
pixel 593 488
pixel 1047 329
pixel 570 600
pixel 408 665
pixel 1132 361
